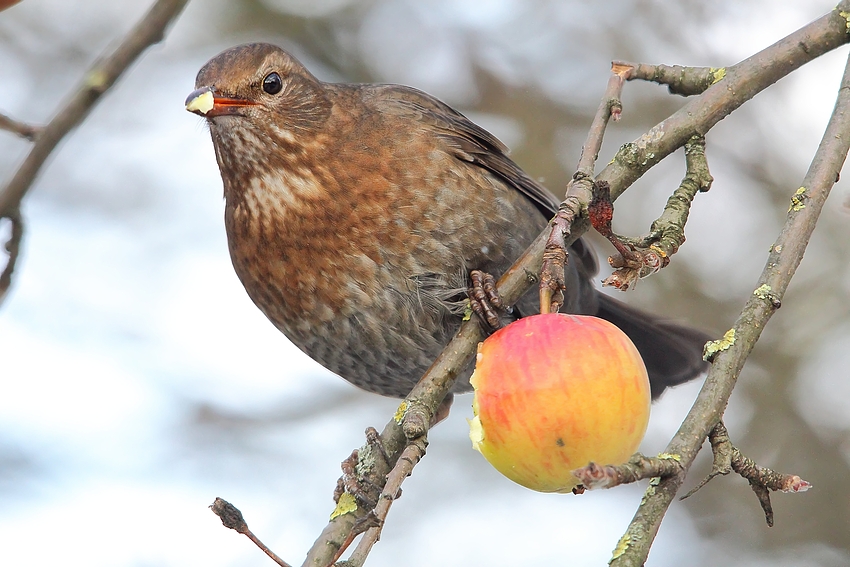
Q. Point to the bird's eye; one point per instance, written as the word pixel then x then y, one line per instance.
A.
pixel 272 84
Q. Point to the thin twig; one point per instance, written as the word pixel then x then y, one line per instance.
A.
pixel 232 518
pixel 729 357
pixel 685 81
pixel 102 75
pixel 637 258
pixel 13 248
pixel 637 468
pixel 670 226
pixel 728 458
pixel 699 114
pixel 22 129
pixel 551 286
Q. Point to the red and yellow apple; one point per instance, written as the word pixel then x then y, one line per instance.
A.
pixel 554 392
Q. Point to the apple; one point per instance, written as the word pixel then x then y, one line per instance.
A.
pixel 554 392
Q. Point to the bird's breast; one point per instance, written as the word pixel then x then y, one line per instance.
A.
pixel 308 250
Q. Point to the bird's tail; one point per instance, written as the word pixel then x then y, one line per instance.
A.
pixel 672 353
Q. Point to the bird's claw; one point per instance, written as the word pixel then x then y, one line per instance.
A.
pixel 484 298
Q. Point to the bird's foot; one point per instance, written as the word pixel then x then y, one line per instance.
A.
pixel 484 298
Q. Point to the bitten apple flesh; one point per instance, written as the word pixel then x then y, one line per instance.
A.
pixel 554 392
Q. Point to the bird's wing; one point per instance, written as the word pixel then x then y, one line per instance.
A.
pixel 474 144
pixel 467 140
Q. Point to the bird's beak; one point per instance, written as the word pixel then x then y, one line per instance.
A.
pixel 205 102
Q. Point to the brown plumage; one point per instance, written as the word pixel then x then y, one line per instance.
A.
pixel 354 213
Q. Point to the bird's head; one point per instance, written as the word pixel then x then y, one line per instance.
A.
pixel 262 84
pixel 266 113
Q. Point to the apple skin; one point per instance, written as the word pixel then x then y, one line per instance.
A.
pixel 554 392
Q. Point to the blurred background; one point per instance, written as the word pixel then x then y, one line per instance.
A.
pixel 138 381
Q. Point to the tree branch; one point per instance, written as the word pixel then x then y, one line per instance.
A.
pixel 13 249
pixel 550 289
pixel 638 467
pixel 740 83
pixel 685 81
pixel 638 258
pixel 231 517
pixel 730 354
pixel 728 458
pixel 99 78
pixel 392 490
pixel 97 81
pixel 22 129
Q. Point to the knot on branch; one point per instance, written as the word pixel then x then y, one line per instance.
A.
pixel 416 417
pixel 363 475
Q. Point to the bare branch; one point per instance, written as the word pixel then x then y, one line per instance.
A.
pixel 554 260
pixel 22 129
pixel 403 468
pixel 728 458
pixel 232 518
pixel 97 81
pixel 637 468
pixel 13 248
pixel 638 258
pixel 728 358
pixel 741 83
pixel 685 81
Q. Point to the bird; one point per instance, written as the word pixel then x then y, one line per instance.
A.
pixel 355 214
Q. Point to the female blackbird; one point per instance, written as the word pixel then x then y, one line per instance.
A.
pixel 355 212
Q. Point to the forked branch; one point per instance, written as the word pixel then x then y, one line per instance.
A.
pixel 728 458
pixel 97 80
pixel 740 83
pixel 730 353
